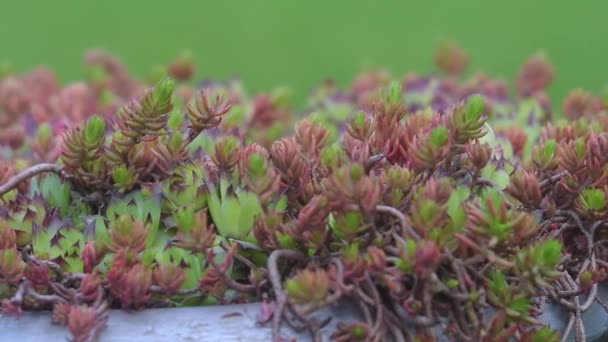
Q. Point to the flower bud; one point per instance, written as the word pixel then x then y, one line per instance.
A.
pixel 37 274
pixel 544 156
pixel 478 154
pixel 227 153
pixel 311 136
pixel 169 277
pixel 11 266
pixel 135 291
pixel 89 287
pixel 14 96
pixel 90 256
pixel 597 151
pixel 81 322
pixel 205 115
pixel 577 104
pixel 308 286
pixel 8 238
pixel 194 232
pixel 360 127
pixel 286 157
pixel 466 120
pixel 126 232
pixel 572 155
pixel 535 75
pixel 525 187
pixel 357 151
pixel 429 148
pixel 451 59
pixel 183 68
pixel 427 257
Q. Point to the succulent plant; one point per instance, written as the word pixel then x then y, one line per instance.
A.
pixel 425 200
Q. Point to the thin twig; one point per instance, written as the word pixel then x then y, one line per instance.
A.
pixel 368 316
pixel 275 280
pixel 552 179
pixel 312 324
pixel 377 304
pixel 29 173
pixel 398 214
pixel 25 290
pixel 231 283
pixel 568 329
pixel 240 258
pixel 20 294
pixel 44 298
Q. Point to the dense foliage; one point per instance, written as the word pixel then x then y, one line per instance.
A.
pixel 440 204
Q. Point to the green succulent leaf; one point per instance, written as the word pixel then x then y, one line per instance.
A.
pixel 474 107
pixel 75 264
pixel 593 199
pixel 520 305
pixel 56 192
pixel 102 238
pixel 94 130
pixel 142 208
pixel 176 120
pixel 41 244
pixel 452 283
pixel 395 92
pixel 71 242
pixel 498 283
pixel 234 215
pixel 549 253
pixel 546 334
pixel 457 198
pixel 439 136
pixel 497 175
pixel 281 205
pixel 236 115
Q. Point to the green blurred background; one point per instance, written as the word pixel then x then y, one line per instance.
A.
pixel 299 43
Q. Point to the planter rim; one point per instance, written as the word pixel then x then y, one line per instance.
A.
pixel 237 322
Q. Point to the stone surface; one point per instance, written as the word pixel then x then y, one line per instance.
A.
pixel 238 323
pixel 595 319
pixel 209 323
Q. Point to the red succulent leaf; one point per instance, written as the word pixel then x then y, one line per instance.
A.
pixel 90 286
pixel 38 274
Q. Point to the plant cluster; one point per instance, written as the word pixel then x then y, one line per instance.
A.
pixel 440 204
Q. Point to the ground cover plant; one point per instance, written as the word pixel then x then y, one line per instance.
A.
pixel 440 204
